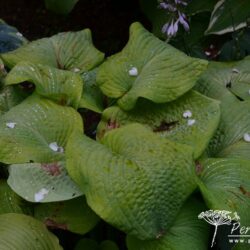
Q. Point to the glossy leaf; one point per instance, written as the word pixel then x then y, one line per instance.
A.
pixel 73 215
pixel 224 184
pixel 72 51
pixel 42 182
pixel 228 16
pixel 18 231
pixel 149 68
pixel 187 232
pixel 62 86
pixel 130 181
pixel 167 120
pixel 36 130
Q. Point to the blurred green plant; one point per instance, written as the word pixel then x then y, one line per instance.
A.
pixel 62 7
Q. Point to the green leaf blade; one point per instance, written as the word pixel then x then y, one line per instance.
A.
pixel 18 231
pixel 72 51
pixel 62 86
pixel 167 120
pixel 156 63
pixel 127 188
pixel 187 232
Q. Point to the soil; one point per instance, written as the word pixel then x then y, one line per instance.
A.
pixel 109 20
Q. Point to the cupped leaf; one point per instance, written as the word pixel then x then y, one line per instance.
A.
pixel 92 97
pixel 134 180
pixel 62 86
pixel 167 119
pixel 150 68
pixel 74 215
pixel 10 38
pixel 240 85
pixel 216 81
pixel 187 232
pixel 18 231
pixel 42 182
pixel 224 184
pixel 239 150
pixel 228 16
pixel 73 51
pixel 10 202
pixel 219 82
pixel 60 6
pixel 234 126
pixel 10 96
pixel 88 244
pixel 36 130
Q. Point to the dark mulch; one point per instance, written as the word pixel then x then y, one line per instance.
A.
pixel 109 20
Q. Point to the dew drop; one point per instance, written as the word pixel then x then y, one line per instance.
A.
pixel 133 71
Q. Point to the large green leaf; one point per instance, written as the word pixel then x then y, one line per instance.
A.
pixel 36 130
pixel 221 81
pixel 92 97
pixel 60 6
pixel 187 232
pixel 62 86
pixel 215 82
pixel 18 231
pixel 234 124
pixel 134 180
pixel 224 184
pixel 73 215
pixel 73 51
pixel 150 68
pixel 10 38
pixel 10 202
pixel 220 77
pixel 228 16
pixel 42 182
pixel 167 119
pixel 239 150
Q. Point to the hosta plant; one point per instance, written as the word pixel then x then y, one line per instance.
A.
pixel 172 140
